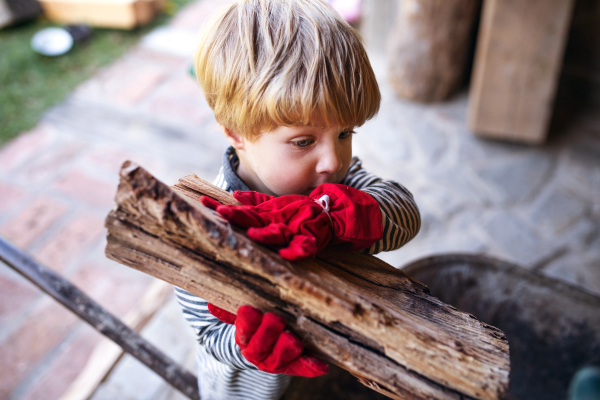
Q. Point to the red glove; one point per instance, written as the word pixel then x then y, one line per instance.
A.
pixel 306 224
pixel 265 343
pixel 223 315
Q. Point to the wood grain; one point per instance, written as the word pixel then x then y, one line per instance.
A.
pixel 352 309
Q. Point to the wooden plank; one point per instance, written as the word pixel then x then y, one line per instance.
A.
pixel 107 353
pixel 517 64
pixel 352 309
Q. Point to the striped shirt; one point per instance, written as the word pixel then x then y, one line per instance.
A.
pixel 223 372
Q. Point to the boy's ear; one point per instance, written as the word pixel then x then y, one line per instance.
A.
pixel 233 138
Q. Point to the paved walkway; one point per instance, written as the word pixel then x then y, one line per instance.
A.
pixel 536 206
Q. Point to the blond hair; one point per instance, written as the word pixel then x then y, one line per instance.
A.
pixel 265 63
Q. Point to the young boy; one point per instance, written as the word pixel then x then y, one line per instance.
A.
pixel 288 81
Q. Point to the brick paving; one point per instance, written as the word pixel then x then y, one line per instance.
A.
pixel 536 206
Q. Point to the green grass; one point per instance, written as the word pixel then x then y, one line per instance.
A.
pixel 31 83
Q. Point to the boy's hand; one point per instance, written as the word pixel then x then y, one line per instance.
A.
pixel 306 224
pixel 266 344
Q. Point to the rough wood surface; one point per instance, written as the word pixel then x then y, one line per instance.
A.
pixel 429 47
pixel 354 310
pixel 516 69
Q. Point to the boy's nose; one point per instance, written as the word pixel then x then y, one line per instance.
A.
pixel 329 162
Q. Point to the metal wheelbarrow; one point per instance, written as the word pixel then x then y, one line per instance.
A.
pixel 553 328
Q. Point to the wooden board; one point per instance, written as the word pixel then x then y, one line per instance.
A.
pixel 517 64
pixel 352 309
pixel 122 14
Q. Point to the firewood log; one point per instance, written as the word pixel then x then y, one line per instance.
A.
pixel 429 47
pixel 351 309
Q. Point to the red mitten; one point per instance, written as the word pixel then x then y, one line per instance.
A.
pixel 266 344
pixel 306 224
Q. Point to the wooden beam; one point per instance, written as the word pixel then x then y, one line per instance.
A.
pixel 352 309
pixel 517 64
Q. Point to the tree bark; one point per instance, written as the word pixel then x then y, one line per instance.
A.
pixel 429 47
pixel 352 309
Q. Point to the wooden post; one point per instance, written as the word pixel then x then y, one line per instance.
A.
pixel 429 46
pixel 517 64
pixel 352 309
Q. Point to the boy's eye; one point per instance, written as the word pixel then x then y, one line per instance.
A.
pixel 345 134
pixel 302 142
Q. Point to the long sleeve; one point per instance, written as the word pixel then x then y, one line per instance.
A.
pixel 401 217
pixel 223 372
pixel 217 337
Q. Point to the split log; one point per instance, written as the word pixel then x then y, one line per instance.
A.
pixel 429 47
pixel 352 309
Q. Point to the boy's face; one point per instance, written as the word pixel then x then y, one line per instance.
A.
pixel 293 160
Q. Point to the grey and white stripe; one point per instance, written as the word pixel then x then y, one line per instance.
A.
pixel 223 373
pixel 401 217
